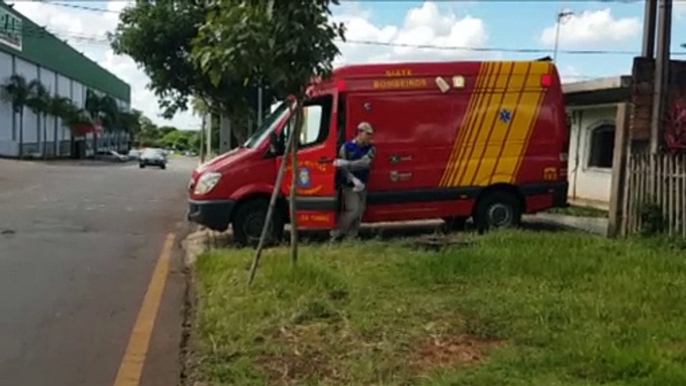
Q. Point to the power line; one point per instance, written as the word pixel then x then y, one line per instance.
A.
pixel 43 33
pixel 497 49
pixel 414 46
pixel 81 7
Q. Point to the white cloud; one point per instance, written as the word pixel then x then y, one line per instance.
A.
pixel 680 8
pixel 570 75
pixel 427 24
pixel 85 30
pixel 592 29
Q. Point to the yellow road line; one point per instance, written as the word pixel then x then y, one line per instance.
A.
pixel 131 366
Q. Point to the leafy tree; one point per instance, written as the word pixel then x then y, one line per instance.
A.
pixel 181 140
pixel 38 102
pixel 94 106
pixel 283 42
pixel 158 36
pixel 16 92
pixel 131 122
pixel 164 130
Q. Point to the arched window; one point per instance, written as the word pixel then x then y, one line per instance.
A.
pixel 602 146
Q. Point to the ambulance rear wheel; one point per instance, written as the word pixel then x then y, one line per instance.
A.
pixel 498 209
pixel 248 222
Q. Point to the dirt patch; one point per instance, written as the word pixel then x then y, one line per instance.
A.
pixel 304 357
pixel 451 351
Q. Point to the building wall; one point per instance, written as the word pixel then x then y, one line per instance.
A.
pixel 7 144
pixel 43 48
pixel 64 72
pixel 589 183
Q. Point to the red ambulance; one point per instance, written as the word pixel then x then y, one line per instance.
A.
pixel 454 140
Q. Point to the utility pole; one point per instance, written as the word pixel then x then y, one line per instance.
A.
pixel 661 71
pixel 561 17
pixel 208 136
pixel 260 113
pixel 650 14
pixel 202 140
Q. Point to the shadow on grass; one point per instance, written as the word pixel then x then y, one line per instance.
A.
pixel 390 232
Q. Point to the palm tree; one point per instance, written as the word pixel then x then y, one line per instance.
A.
pixel 93 106
pixel 39 99
pixel 131 124
pixel 15 90
pixel 111 116
pixel 58 108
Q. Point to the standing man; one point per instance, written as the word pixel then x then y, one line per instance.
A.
pixel 355 160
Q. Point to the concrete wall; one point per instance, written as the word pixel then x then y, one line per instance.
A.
pixel 586 183
pixel 7 144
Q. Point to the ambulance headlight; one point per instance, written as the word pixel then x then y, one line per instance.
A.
pixel 206 183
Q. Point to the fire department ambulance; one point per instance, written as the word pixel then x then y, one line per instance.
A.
pixel 486 140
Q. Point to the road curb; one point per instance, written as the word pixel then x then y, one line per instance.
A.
pixel 194 244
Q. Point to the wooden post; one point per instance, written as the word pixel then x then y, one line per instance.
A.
pixel 294 183
pixel 619 163
pixel 272 205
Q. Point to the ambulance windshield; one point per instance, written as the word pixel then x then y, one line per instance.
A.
pixel 267 127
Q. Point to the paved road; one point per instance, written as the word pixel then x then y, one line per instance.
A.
pixel 78 247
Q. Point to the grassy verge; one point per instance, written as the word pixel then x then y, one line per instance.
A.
pixel 514 309
pixel 579 211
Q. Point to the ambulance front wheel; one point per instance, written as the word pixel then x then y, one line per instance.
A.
pixel 248 222
pixel 498 209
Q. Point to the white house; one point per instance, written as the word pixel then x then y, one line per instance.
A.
pixel 592 106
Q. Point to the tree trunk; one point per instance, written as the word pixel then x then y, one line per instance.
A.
pixel 294 185
pixel 270 210
pixel 45 137
pixel 202 140
pixel 56 144
pixel 21 134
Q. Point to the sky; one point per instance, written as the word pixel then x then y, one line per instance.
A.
pixel 457 28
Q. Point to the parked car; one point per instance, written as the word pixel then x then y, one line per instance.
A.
pixel 134 154
pixel 153 157
pixel 111 155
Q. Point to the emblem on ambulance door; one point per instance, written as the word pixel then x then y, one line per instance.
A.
pixel 304 179
pixel 505 115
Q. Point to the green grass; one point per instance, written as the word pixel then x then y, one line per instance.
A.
pixel 516 308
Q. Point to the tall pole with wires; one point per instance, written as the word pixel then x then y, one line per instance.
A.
pixel 561 18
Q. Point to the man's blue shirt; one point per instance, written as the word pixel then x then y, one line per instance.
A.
pixel 361 157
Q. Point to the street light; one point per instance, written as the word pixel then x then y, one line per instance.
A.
pixel 562 16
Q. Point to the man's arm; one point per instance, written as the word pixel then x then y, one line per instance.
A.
pixel 346 172
pixel 364 162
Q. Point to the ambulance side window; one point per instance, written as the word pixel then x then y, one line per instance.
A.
pixel 316 122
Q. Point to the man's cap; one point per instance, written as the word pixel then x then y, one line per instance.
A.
pixel 365 127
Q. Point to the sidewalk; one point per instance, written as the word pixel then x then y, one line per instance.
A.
pixel 593 225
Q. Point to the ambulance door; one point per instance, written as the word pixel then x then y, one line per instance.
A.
pixel 317 195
